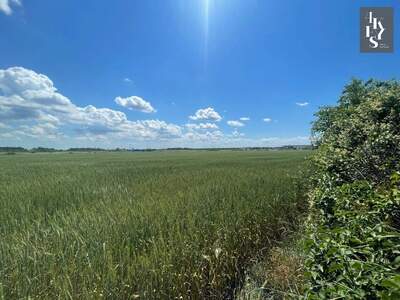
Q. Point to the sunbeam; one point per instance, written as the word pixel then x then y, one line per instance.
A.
pixel 206 13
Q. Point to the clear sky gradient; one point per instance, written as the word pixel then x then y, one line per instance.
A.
pixel 172 73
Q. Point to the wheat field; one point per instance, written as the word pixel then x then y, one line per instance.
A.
pixel 141 225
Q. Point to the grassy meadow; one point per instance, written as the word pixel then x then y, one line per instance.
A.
pixel 143 225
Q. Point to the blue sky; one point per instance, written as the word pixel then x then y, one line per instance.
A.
pixel 166 73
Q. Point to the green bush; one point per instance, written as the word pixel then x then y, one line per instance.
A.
pixel 354 240
pixel 360 138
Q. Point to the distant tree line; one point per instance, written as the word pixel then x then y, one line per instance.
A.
pixel 45 149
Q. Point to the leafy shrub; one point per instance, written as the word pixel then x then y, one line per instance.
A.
pixel 354 240
pixel 355 248
pixel 360 138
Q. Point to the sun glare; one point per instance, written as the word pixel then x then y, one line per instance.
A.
pixel 206 14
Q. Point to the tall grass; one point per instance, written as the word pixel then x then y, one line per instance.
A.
pixel 158 225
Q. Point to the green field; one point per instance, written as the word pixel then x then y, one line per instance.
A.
pixel 148 225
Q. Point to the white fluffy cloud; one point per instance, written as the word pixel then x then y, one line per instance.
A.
pixel 48 130
pixel 33 111
pixel 207 114
pixel 234 123
pixel 267 120
pixel 202 126
pixel 237 134
pixel 244 119
pixel 26 95
pixel 5 5
pixel 30 103
pixel 135 103
pixel 194 136
pixel 302 103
